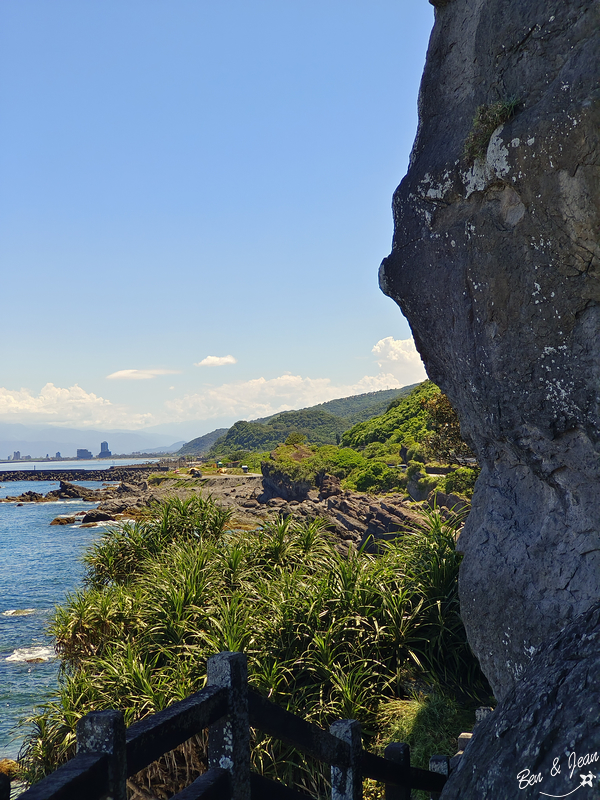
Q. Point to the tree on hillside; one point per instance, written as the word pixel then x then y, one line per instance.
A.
pixel 295 437
pixel 444 442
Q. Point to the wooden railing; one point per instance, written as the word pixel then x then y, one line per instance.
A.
pixel 108 753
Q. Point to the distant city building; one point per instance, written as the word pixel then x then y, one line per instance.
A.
pixel 58 455
pixel 104 451
pixel 17 455
pixel 81 453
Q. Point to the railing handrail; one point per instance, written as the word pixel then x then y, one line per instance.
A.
pixel 297 732
pixel 153 736
pixel 85 774
pixel 108 754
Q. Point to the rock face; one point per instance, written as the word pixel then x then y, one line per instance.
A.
pixel 496 264
pixel 544 737
pixel 64 519
pixel 95 515
pixel 356 519
pixel 278 484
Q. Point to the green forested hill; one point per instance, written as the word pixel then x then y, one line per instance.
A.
pixel 317 425
pixel 321 424
pixel 364 406
pixel 201 445
pixel 404 422
pixel 418 428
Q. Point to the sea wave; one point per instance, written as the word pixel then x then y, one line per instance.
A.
pixel 68 502
pixel 18 612
pixel 31 655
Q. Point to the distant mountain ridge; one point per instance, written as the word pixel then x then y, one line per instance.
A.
pixel 202 444
pixel 321 424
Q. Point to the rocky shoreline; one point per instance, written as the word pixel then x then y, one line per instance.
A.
pixel 356 519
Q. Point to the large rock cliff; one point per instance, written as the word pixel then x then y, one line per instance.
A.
pixel 544 737
pixel 496 264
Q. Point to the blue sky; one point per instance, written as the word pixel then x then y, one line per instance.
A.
pixel 192 180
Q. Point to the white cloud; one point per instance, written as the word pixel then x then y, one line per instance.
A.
pixel 261 397
pixel 72 406
pixel 216 361
pixel 401 358
pixel 139 374
pixel 398 360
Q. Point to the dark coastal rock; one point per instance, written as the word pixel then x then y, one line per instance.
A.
pixel 278 484
pixel 127 497
pixel 496 264
pixel 250 503
pixel 68 491
pixel 329 487
pixel 360 520
pixel 116 506
pixel 544 736
pixel 64 519
pixel 32 497
pixel 96 515
pixel 129 488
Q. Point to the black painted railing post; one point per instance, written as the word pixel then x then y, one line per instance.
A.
pixel 104 732
pixel 346 782
pixel 400 754
pixel 441 765
pixel 4 787
pixel 229 738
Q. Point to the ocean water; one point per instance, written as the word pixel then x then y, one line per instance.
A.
pixel 39 565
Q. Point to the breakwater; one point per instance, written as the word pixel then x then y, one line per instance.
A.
pixel 110 474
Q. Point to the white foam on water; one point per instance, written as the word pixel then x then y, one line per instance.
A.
pixel 28 654
pixel 18 612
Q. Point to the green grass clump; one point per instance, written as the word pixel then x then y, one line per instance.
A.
pixel 156 478
pixel 327 636
pixel 430 723
pixel 487 118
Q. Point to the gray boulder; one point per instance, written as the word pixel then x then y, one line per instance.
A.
pixel 97 515
pixel 544 737
pixel 496 264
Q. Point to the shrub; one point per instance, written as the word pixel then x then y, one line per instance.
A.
pixel 461 481
pixel 414 468
pixel 487 118
pixel 376 477
pixel 295 438
pixel 444 442
pixel 374 450
pixel 430 723
pixel 326 636
pixel 428 483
